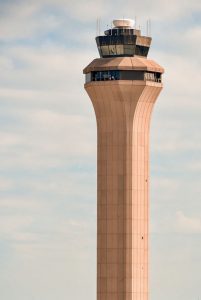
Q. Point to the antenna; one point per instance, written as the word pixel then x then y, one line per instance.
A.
pixel 97 27
pixel 149 27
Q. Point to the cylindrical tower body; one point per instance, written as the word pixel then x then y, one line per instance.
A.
pixel 123 89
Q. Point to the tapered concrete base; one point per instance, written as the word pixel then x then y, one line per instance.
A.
pixel 123 111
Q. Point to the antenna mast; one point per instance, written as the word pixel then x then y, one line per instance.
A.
pixel 97 27
pixel 149 27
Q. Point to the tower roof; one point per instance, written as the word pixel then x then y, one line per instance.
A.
pixel 123 63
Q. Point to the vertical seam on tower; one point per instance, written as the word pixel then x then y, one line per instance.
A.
pixel 146 183
pixel 137 121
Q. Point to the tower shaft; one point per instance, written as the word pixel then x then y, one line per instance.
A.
pixel 123 110
pixel 123 86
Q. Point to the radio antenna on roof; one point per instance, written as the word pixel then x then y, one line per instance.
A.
pixel 97 27
pixel 149 27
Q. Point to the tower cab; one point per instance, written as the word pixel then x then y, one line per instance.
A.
pixel 123 40
pixel 123 55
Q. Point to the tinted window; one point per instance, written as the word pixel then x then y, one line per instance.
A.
pixel 123 75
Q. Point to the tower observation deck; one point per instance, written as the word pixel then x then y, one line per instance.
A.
pixel 123 86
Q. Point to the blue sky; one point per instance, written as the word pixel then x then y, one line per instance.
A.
pixel 48 148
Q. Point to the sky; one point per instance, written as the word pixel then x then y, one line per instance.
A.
pixel 48 148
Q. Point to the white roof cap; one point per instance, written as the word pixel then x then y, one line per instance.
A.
pixel 123 23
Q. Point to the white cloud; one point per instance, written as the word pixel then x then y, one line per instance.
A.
pixel 9 140
pixel 178 223
pixel 5 184
pixel 24 203
pixel 48 141
pixel 194 166
pixel 23 20
pixel 44 97
pixel 17 20
pixel 186 224
pixel 12 225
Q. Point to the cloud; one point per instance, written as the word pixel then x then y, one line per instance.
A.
pixel 42 143
pixel 48 144
pixel 5 184
pixel 178 223
pixel 186 224
pixel 39 18
pixel 17 20
pixel 12 203
pixel 12 225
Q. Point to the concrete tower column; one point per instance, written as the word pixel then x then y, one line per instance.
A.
pixel 123 90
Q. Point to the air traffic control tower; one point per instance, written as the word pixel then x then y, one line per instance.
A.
pixel 123 86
